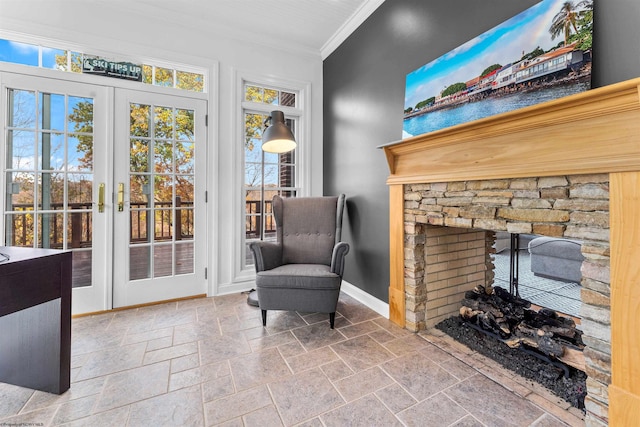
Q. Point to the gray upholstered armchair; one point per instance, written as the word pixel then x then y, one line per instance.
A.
pixel 302 271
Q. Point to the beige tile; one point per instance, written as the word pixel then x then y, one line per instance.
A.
pixel 314 422
pixel 365 412
pixel 33 418
pixel 195 302
pixel 290 349
pixel 184 363
pixel 550 421
pixel 198 375
pixel 358 329
pixel 406 344
pixel 363 383
pixel 13 399
pixel 558 408
pixel 317 335
pixel 380 369
pixel 114 417
pixel 132 338
pixel 232 322
pixel 75 409
pixel 159 343
pixel 90 341
pixel 418 375
pixel 303 396
pixel 223 347
pixel 133 385
pixel 311 359
pixel 336 370
pixel 391 327
pixel 41 399
pixel 395 398
pixel 457 368
pixel 437 410
pixel 217 388
pixel 169 353
pixel 269 341
pixel 111 360
pixel 362 352
pixel 258 368
pixel 178 408
pixel 267 416
pixel 236 405
pixel 353 311
pixel 382 336
pixel 278 321
pixel 468 421
pixel 492 404
pixel 192 332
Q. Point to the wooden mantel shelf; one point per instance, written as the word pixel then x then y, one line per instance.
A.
pixel 590 132
pixel 597 131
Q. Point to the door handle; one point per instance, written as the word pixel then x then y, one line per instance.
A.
pixel 120 197
pixel 101 198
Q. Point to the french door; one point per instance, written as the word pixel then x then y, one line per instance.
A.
pixel 159 180
pixel 117 177
pixel 55 148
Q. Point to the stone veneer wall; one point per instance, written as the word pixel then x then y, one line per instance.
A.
pixel 445 254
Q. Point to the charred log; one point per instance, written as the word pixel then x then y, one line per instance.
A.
pixel 511 318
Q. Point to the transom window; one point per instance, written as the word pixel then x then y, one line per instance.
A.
pixel 37 55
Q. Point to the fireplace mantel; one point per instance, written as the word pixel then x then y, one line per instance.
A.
pixel 597 131
pixel 590 132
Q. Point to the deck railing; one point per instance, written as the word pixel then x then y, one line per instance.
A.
pixel 80 223
pixel 256 220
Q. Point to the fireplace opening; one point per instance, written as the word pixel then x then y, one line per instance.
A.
pixel 540 269
pixel 524 316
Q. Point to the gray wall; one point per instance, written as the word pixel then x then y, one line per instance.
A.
pixel 364 97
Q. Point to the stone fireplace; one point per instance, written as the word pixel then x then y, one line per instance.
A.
pixel 447 250
pixel 567 168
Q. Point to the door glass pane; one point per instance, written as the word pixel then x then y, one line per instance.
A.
pixel 139 266
pixel 49 190
pixel 21 149
pixel 52 111
pixel 161 194
pixel 184 258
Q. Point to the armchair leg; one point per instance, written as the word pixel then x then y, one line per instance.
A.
pixel 264 317
pixel 332 319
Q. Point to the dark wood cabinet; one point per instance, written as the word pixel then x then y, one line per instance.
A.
pixel 35 318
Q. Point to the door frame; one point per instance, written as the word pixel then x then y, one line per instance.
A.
pixel 110 85
pixel 127 292
pixel 94 297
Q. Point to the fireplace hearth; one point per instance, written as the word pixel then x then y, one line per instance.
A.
pixel 571 387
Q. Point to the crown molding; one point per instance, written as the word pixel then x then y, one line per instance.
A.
pixel 358 17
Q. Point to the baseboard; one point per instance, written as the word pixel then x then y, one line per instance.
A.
pixel 380 307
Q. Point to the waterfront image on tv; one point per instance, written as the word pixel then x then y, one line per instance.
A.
pixel 541 54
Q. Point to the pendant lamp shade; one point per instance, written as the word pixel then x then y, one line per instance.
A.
pixel 278 138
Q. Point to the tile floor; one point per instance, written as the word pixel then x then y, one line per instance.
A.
pixel 209 361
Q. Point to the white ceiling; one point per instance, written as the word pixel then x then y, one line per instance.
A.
pixel 316 26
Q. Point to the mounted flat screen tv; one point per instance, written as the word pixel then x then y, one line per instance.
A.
pixel 541 54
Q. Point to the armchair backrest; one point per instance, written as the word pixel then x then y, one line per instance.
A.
pixel 308 227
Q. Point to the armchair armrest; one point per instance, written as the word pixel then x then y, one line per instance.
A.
pixel 266 255
pixel 337 257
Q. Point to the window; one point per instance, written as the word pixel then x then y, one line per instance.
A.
pixel 266 174
pixel 66 60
